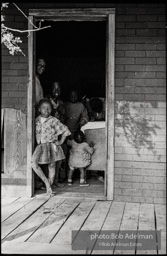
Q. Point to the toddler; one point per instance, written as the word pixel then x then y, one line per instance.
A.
pixel 80 156
pixel 48 150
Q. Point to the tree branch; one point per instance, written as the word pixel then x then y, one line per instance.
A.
pixel 25 31
pixel 24 15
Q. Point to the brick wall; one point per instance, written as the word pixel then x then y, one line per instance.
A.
pixel 140 94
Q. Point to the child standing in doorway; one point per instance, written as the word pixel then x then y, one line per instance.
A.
pixel 80 156
pixel 75 113
pixel 48 150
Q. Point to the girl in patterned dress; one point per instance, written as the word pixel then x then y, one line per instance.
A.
pixel 50 135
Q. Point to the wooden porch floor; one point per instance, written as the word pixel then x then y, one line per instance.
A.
pixel 42 225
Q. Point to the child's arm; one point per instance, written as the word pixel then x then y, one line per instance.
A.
pixel 84 117
pixel 89 148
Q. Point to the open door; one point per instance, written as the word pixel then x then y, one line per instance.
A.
pixel 107 15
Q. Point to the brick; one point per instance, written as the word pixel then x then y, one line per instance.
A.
pixel 120 25
pixel 126 18
pixel 120 40
pixel 18 66
pixel 159 200
pixel 123 171
pixel 16 25
pixel 146 40
pixel 155 68
pixel 145 90
pixel 117 177
pixel 9 59
pixel 23 87
pixel 135 25
pixel 22 72
pixel 161 61
pixel 119 97
pixel 144 47
pixel 123 47
pixel 134 53
pixel 17 94
pixel 117 191
pixel 120 11
pixel 161 17
pixel 147 18
pixel 131 97
pixel 132 192
pixel 145 74
pixel 119 184
pixel 124 60
pixel 160 90
pixel 160 186
pixel 155 97
pixel 10 72
pixel 143 185
pixel 118 150
pixel 9 87
pixel 5 94
pixel 125 32
pixel 134 82
pixel 161 32
pixel 134 68
pixel 5 79
pixel 156 24
pixel 18 79
pixel 142 199
pixel 146 32
pixel 135 11
pixel 119 53
pixel 122 198
pixel 119 82
pixel 155 54
pixel 156 10
pixel 23 59
pixel 145 61
pixel 151 179
pixel 119 68
pixel 124 74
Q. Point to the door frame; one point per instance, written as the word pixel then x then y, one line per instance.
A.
pixel 78 14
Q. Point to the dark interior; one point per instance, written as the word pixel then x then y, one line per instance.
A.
pixel 75 56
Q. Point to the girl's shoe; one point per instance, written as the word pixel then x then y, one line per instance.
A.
pixel 84 184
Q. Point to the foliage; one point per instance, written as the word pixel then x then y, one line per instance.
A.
pixel 7 38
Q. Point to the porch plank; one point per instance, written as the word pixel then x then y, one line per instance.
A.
pixel 75 221
pixel 28 227
pixel 8 200
pixel 146 222
pixel 112 222
pixel 129 222
pixel 35 248
pixel 20 216
pixel 9 210
pixel 54 222
pixel 160 212
pixel 95 220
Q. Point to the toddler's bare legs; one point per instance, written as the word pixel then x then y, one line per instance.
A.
pixel 37 169
pixel 70 173
pixel 82 175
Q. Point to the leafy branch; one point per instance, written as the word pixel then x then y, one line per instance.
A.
pixel 8 39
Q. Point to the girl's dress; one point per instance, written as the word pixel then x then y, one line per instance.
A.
pixel 80 154
pixel 47 132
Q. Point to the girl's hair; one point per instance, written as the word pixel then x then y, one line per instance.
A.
pixel 55 81
pixel 79 134
pixel 44 101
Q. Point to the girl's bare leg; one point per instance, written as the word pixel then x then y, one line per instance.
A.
pixel 51 168
pixel 57 169
pixel 37 169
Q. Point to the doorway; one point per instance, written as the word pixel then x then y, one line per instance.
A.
pixel 77 59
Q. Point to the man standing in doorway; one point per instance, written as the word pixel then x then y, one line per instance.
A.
pixel 40 68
